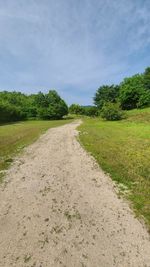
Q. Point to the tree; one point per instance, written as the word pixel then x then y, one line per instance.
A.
pixel 76 109
pixel 10 113
pixel 52 106
pixel 90 111
pixel 40 100
pixel 53 97
pixel 144 100
pixel 106 93
pixel 147 78
pixel 17 106
pixel 131 90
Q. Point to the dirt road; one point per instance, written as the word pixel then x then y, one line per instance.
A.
pixel 57 208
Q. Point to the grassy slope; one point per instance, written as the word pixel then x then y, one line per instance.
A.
pixel 13 137
pixel 123 150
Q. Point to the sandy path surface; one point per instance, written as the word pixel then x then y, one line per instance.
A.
pixel 57 208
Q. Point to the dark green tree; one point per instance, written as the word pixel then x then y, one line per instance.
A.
pixel 76 109
pixel 106 93
pixel 52 106
pixel 10 113
pixel 144 100
pixel 40 100
pixel 147 78
pixel 17 106
pixel 131 90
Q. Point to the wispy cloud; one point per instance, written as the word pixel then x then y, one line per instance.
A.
pixel 74 46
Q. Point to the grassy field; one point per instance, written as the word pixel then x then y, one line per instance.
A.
pixel 123 150
pixel 15 136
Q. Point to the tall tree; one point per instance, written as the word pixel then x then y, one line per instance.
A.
pixel 106 93
pixel 147 78
pixel 52 106
pixel 131 89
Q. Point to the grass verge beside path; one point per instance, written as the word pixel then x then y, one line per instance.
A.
pixel 15 136
pixel 123 150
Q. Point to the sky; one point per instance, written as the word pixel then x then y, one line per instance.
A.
pixel 73 46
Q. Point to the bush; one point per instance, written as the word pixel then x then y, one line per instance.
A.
pixel 111 112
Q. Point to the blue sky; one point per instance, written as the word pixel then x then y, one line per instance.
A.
pixel 73 46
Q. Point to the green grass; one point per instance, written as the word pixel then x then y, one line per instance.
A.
pixel 15 136
pixel 122 149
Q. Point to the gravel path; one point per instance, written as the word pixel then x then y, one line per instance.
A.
pixel 57 208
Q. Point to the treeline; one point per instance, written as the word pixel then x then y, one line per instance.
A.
pixel 16 106
pixel 109 100
pixel 131 93
pixel 83 110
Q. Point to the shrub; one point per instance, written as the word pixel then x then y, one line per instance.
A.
pixel 111 112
